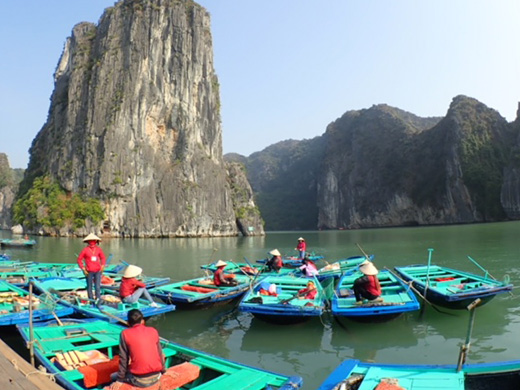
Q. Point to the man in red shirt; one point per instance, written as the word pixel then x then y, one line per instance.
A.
pixel 92 261
pixel 141 361
pixel 132 289
pixel 367 286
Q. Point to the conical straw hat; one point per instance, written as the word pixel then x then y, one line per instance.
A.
pixel 132 271
pixel 91 237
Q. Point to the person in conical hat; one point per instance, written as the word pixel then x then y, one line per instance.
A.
pixel 92 262
pixel 275 263
pixel 220 278
pixel 301 247
pixel 367 286
pixel 131 289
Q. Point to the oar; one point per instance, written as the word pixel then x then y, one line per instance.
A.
pixel 486 273
pixel 430 250
pixel 241 270
pixel 418 293
pixel 362 251
pixel 297 295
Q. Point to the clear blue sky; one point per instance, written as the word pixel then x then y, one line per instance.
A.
pixel 288 68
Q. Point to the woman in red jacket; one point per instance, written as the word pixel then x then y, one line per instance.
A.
pixel 92 261
pixel 367 286
pixel 132 289
pixel 301 248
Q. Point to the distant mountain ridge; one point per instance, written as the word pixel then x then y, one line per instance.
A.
pixel 383 166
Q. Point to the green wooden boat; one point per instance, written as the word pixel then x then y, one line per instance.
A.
pixel 451 288
pixel 201 293
pixel 353 374
pixel 397 298
pixel 14 306
pixel 288 306
pixel 17 243
pixel 71 292
pixel 215 373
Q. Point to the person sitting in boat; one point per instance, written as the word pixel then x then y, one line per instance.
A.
pixel 308 268
pixel 220 278
pixel 301 247
pixel 131 289
pixel 308 292
pixel 275 263
pixel 141 360
pixel 367 286
pixel 92 261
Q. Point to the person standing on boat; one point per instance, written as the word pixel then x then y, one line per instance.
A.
pixel 309 268
pixel 220 278
pixel 141 360
pixel 301 248
pixel 92 262
pixel 131 289
pixel 367 286
pixel 275 263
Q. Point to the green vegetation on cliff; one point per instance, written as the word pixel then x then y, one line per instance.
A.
pixel 47 204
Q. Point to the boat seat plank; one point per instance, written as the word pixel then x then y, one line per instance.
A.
pixel 249 380
pixel 414 380
pixel 215 365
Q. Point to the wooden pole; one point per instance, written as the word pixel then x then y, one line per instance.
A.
pixel 426 284
pixel 31 330
pixel 464 348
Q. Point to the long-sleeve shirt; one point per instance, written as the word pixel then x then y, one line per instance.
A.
pixel 128 286
pixel 91 258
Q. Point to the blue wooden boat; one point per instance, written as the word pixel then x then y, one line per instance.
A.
pixel 199 293
pixel 449 287
pixel 17 243
pixel 288 306
pixel 247 269
pixel 353 374
pixel 14 306
pixel 72 293
pixel 397 298
pixel 100 341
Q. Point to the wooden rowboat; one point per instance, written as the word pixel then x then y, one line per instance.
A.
pixel 288 306
pixel 14 306
pixel 17 243
pixel 199 293
pixel 353 374
pixel 71 292
pixel 451 288
pixel 397 298
pixel 90 352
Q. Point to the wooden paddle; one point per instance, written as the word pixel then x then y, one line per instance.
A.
pixel 297 295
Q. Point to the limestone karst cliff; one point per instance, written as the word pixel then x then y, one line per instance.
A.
pixel 510 195
pixel 386 167
pixel 7 189
pixel 134 121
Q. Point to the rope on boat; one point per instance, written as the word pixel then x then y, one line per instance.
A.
pixel 41 370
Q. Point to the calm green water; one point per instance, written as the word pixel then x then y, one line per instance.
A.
pixel 313 349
